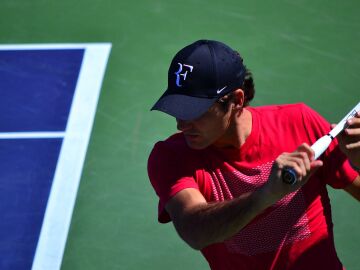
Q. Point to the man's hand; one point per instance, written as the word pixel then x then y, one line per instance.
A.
pixel 301 161
pixel 349 140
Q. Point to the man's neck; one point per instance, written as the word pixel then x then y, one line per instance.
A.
pixel 239 130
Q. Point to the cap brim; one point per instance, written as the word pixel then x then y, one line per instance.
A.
pixel 183 107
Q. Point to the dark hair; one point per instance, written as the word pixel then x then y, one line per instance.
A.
pixel 248 87
pixel 248 84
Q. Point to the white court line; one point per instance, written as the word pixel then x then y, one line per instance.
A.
pixel 54 46
pixel 31 135
pixel 57 219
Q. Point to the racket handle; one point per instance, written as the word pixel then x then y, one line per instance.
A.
pixel 321 145
pixel 288 176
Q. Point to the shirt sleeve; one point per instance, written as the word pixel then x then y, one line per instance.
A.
pixel 169 173
pixel 336 170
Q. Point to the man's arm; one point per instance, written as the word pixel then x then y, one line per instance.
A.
pixel 200 223
pixel 354 188
pixel 349 141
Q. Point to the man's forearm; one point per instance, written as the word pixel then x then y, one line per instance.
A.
pixel 215 222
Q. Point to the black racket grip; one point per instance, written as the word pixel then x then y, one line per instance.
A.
pixel 288 176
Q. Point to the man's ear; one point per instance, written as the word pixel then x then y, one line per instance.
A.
pixel 239 99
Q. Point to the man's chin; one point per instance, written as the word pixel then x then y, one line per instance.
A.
pixel 195 146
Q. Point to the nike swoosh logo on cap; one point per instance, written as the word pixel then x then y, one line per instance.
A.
pixel 220 90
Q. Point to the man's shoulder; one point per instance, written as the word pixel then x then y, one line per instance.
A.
pixel 174 154
pixel 173 147
pixel 283 112
pixel 281 108
pixel 174 142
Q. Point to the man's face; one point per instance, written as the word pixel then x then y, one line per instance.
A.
pixel 208 129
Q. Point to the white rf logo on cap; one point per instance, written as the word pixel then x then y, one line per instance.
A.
pixel 179 75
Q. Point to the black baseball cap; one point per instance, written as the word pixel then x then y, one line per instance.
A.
pixel 198 76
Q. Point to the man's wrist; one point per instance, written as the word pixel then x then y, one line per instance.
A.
pixel 356 168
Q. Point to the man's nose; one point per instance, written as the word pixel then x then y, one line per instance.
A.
pixel 183 125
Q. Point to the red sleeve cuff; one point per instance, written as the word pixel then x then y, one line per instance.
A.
pixel 163 216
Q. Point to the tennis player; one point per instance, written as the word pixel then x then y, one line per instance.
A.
pixel 219 179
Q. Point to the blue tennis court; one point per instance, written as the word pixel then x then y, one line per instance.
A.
pixel 48 100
